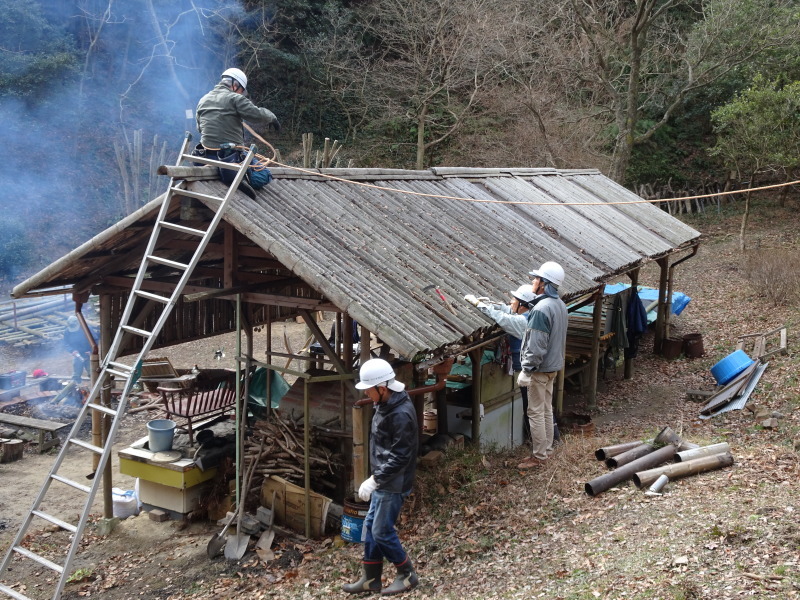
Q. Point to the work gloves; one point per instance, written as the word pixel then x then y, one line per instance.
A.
pixel 475 301
pixel 366 489
pixel 276 125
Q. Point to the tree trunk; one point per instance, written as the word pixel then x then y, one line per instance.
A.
pixel 746 214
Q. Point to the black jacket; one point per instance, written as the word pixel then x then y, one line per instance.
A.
pixel 393 444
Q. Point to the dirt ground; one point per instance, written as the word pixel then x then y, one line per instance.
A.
pixel 478 528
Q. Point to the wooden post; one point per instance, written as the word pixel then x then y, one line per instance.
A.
pixel 663 263
pixel 361 421
pixel 597 319
pixel 628 364
pixel 104 424
pixel 475 356
pixel 269 359
pixel 559 407
pixel 347 358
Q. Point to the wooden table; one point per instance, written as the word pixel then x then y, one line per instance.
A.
pixel 41 425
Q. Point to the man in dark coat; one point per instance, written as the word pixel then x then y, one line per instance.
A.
pixel 393 445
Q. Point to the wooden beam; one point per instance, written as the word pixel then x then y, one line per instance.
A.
pixel 230 256
pixel 189 173
pixel 323 341
pixel 597 315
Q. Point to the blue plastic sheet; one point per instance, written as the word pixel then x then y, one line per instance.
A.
pixel 648 295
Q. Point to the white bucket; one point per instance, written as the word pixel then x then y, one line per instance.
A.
pixel 160 433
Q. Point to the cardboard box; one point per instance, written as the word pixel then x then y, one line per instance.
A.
pixel 290 505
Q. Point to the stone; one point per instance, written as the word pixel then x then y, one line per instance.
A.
pixel 430 459
pixel 158 515
pixel 769 423
pixel 104 527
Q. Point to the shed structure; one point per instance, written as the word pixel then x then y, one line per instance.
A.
pixel 394 250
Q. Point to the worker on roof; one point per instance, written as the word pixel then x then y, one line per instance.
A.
pixel 220 114
pixel 513 319
pixel 542 357
pixel 393 446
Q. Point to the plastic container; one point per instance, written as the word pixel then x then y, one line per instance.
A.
pixel 125 503
pixel 12 379
pixel 353 515
pixel 730 366
pixel 160 433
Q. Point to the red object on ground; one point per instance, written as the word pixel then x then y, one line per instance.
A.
pixel 39 373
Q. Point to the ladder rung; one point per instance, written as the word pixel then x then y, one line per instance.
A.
pixel 167 262
pixel 71 483
pixel 12 593
pixel 86 445
pixel 101 408
pixel 40 559
pixel 55 521
pixel 122 374
pixel 140 332
pixel 121 366
pixel 198 195
pixel 149 296
pixel 182 228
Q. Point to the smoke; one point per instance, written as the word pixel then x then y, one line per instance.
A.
pixel 78 77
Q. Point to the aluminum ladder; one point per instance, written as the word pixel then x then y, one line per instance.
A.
pixel 127 374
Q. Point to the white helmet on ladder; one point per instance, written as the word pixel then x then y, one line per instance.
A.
pixel 549 271
pixel 237 75
pixel 377 371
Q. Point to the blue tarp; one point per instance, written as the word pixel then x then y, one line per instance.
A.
pixel 649 295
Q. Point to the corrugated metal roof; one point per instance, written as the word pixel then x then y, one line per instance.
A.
pixel 372 252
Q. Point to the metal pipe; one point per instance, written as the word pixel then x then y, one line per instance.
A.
pixel 693 453
pixel 677 470
pixel 609 451
pixel 659 484
pixel 642 449
pixel 609 480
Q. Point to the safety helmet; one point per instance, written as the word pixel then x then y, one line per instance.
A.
pixel 550 271
pixel 524 293
pixel 377 371
pixel 238 75
pixel 72 323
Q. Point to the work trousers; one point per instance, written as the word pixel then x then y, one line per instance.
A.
pixel 379 532
pixel 540 411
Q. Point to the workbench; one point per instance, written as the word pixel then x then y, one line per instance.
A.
pixel 40 425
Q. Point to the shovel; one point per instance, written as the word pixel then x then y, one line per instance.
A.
pixel 236 545
pixel 216 543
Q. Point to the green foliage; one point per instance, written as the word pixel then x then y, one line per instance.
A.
pixel 759 129
pixel 36 54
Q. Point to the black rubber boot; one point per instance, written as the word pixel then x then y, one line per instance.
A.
pixel 370 579
pixel 405 581
pixel 248 191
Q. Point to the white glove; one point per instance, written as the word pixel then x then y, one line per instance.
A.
pixel 471 299
pixel 366 489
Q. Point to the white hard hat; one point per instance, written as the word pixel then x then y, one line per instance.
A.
pixel 377 371
pixel 524 293
pixel 238 75
pixel 550 271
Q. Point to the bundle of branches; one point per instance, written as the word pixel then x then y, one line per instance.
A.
pixel 278 446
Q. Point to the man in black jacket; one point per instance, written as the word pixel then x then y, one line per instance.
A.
pixel 393 445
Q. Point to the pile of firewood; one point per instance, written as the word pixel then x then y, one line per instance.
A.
pixel 278 448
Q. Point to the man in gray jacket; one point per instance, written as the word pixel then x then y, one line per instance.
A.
pixel 220 114
pixel 542 357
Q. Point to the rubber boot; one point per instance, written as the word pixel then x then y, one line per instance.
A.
pixel 370 579
pixel 405 581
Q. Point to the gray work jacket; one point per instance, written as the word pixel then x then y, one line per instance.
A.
pixel 220 114
pixel 544 345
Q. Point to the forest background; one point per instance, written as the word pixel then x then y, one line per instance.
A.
pixel 679 95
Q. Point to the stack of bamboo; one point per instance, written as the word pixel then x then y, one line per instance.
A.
pixel 644 462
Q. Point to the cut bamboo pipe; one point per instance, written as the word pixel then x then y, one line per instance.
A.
pixel 683 469
pixel 629 455
pixel 648 461
pixel 609 451
pixel 687 455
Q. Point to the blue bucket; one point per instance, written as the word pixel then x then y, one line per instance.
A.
pixel 160 433
pixel 730 366
pixel 353 515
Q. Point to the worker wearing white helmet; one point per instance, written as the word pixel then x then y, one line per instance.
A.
pixel 513 319
pixel 542 357
pixel 393 445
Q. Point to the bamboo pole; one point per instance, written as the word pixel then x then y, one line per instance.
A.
pixel 683 469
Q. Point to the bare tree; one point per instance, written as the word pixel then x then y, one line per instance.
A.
pixel 642 55
pixel 438 58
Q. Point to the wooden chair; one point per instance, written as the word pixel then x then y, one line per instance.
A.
pixel 192 404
